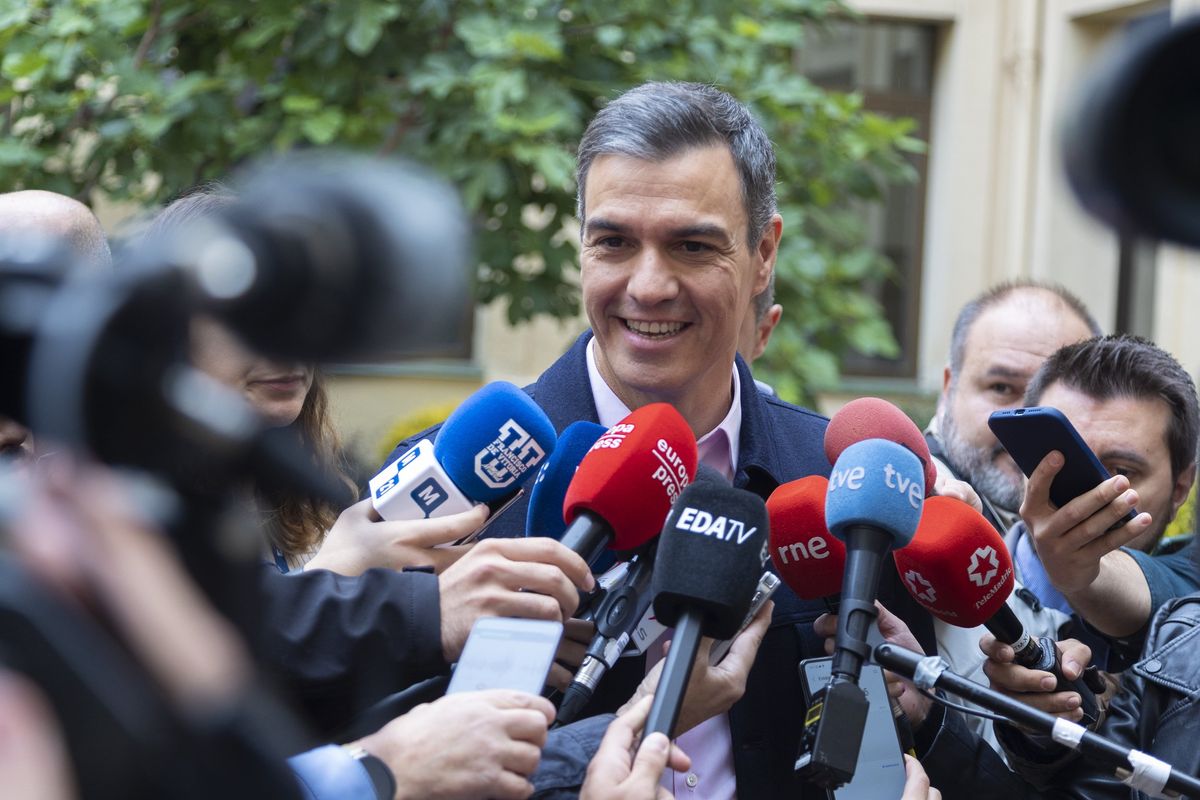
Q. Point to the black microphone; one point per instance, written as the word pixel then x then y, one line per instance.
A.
pixel 876 493
pixel 617 613
pixel 708 565
pixel 616 617
pixel 1150 774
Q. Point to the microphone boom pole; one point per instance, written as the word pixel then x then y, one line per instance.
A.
pixel 1138 769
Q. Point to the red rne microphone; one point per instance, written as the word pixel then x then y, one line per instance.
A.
pixel 876 418
pixel 626 483
pixel 808 558
pixel 959 569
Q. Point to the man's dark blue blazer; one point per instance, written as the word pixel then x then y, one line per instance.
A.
pixel 780 442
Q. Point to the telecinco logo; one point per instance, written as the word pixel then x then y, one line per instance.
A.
pixel 976 571
pixel 921 588
pixel 507 458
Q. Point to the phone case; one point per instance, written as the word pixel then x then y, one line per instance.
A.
pixel 1028 434
pixel 879 774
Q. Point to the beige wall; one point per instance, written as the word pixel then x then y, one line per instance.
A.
pixel 998 205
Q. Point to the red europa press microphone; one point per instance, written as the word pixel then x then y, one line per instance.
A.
pixel 959 569
pixel 808 558
pixel 626 483
pixel 875 418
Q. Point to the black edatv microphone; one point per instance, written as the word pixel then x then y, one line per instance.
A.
pixel 617 616
pixel 708 566
pixel 1140 770
pixel 876 493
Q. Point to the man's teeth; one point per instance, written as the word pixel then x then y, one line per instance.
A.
pixel 654 328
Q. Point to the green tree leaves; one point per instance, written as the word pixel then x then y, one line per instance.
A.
pixel 493 94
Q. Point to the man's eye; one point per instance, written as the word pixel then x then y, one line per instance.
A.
pixel 610 242
pixel 1116 469
pixel 1002 388
pixel 695 247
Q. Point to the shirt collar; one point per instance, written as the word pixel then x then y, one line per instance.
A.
pixel 718 448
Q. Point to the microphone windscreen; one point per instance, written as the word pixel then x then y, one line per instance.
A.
pixel 545 516
pixel 957 566
pixel 707 474
pixel 879 484
pixel 633 473
pixel 710 558
pixel 808 558
pixel 876 418
pixel 494 442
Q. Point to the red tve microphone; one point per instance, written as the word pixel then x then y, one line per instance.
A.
pixel 626 483
pixel 959 569
pixel 808 558
pixel 876 418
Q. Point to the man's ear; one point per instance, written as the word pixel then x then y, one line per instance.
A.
pixel 1182 487
pixel 768 252
pixel 765 328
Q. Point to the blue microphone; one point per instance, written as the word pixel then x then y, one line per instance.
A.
pixel 545 517
pixel 873 505
pixel 485 450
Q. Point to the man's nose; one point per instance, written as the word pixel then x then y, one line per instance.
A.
pixel 653 279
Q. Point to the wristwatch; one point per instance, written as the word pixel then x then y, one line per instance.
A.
pixel 381 776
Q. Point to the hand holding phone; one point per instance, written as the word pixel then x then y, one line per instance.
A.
pixel 1030 434
pixel 506 653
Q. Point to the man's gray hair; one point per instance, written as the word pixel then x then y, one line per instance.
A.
pixel 659 120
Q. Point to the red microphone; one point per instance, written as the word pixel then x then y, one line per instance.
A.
pixel 808 558
pixel 959 569
pixel 876 418
pixel 626 483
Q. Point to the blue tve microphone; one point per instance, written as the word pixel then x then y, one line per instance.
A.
pixel 485 450
pixel 873 505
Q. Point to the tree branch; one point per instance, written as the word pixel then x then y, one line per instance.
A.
pixel 149 36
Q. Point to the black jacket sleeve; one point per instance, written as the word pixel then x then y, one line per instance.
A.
pixel 338 644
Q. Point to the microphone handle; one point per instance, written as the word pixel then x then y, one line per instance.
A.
pixel 866 548
pixel 624 604
pixel 1041 654
pixel 1070 734
pixel 588 535
pixel 677 669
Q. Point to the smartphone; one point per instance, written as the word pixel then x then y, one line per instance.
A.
pixel 1028 434
pixel 506 653
pixel 879 773
pixel 497 507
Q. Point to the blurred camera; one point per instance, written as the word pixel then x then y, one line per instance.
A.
pixel 320 258
pixel 1132 140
